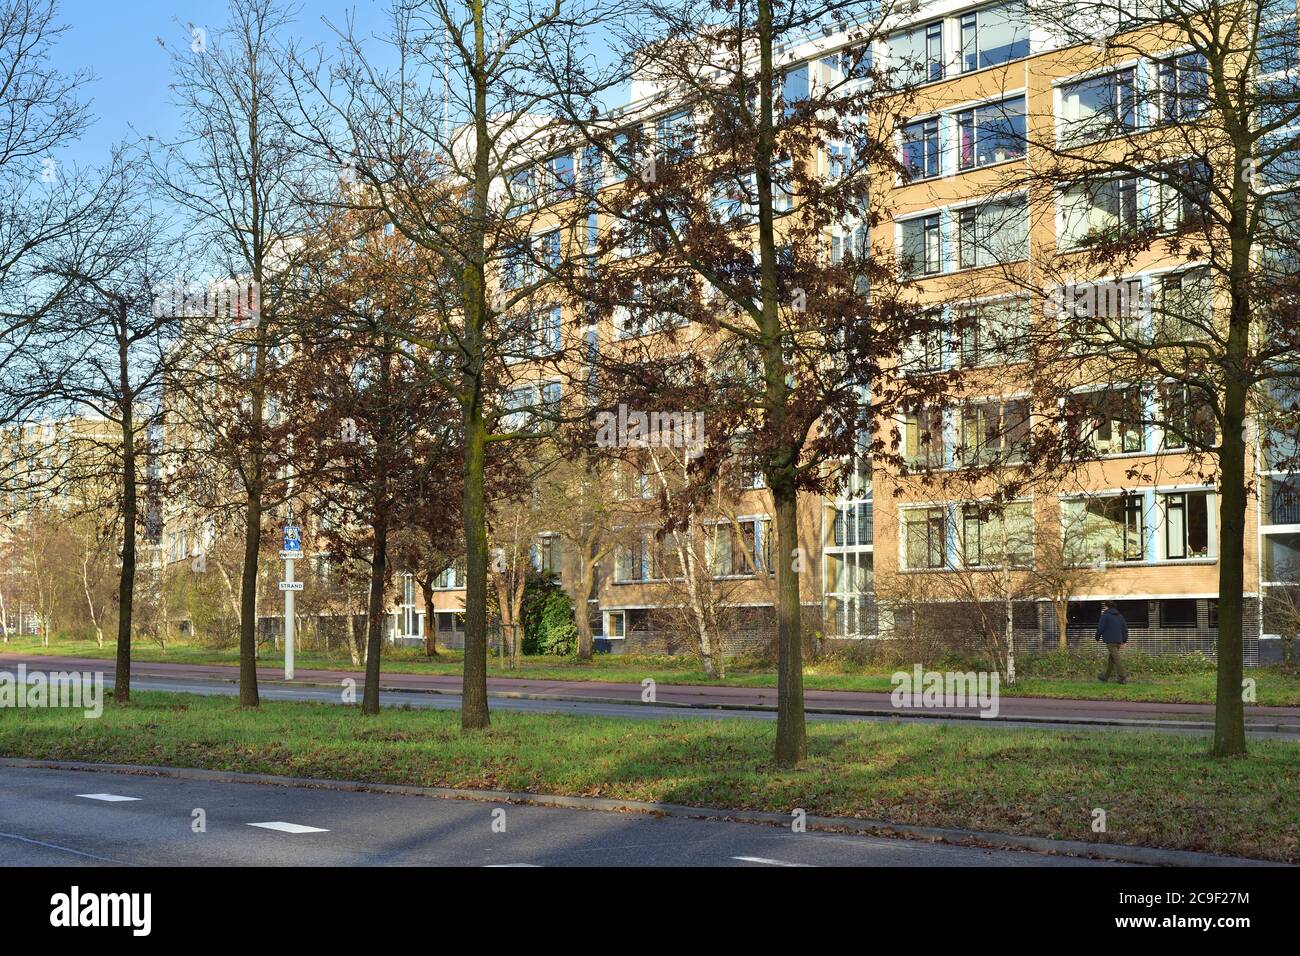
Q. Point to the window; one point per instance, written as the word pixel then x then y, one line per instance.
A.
pixel 994 35
pixel 922 438
pixel 1105 528
pixel 1184 87
pixel 522 185
pixel 1184 416
pixel 850 525
pixel 921 149
pixel 1096 211
pixel 794 88
pixel 993 432
pixel 548 554
pixel 592 169
pixel 993 233
pixel 561 177
pixel 922 252
pixel 547 324
pixel 1106 422
pixel 847 584
pixel 993 333
pixel 923 352
pixel 1178 613
pixel 1183 312
pixel 991 134
pixel 1183 198
pixel 410 618
pixel 993 539
pixel 632 562
pixel 452 578
pixel 1098 107
pixel 925 538
pixel 676 135
pixel 516 407
pixel 741 547
pixel 1187 525
pixel 919 51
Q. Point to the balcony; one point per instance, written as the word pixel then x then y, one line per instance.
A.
pixel 1281 504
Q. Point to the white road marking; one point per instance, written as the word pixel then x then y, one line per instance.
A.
pixel 763 859
pixel 499 866
pixel 288 827
pixel 63 849
pixel 107 797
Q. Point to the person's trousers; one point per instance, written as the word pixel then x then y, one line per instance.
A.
pixel 1114 663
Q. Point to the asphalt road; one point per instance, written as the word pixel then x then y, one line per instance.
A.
pixel 47 819
pixel 624 699
pixel 213 680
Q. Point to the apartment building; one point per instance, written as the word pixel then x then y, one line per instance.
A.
pixel 991 83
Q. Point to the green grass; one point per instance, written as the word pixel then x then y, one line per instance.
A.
pixel 1058 675
pixel 1157 789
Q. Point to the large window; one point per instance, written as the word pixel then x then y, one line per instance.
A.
pixel 1105 528
pixel 993 333
pixel 993 233
pixel 741 547
pixel 1098 107
pixel 1106 421
pixel 1183 87
pixel 921 148
pixel 922 437
pixel 676 135
pixel 561 177
pixel 548 554
pixel 922 246
pixel 992 538
pixel 923 351
pixel 1187 525
pixel 993 432
pixel 1097 211
pixel 994 35
pixel 919 52
pixel 990 134
pixel 925 538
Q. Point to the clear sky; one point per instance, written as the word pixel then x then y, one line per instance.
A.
pixel 118 41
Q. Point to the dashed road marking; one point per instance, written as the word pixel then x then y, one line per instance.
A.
pixel 107 797
pixel 766 861
pixel 500 866
pixel 288 827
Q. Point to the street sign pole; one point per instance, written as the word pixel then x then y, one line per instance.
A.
pixel 292 548
pixel 288 620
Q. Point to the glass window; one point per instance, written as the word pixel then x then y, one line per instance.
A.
pixel 1107 421
pixel 1184 86
pixel 991 134
pixel 992 538
pixel 561 177
pixel 993 333
pixel 922 245
pixel 922 438
pixel 1105 528
pixel 1187 525
pixel 993 233
pixel 1097 211
pixel 994 35
pixel 925 537
pixel 921 149
pixel 1098 107
pixel 676 134
pixel 919 52
pixel 923 352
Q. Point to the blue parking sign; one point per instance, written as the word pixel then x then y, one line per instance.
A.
pixel 292 538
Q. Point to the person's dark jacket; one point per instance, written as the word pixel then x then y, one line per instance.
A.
pixel 1112 628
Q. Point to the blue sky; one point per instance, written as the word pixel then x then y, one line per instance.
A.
pixel 118 41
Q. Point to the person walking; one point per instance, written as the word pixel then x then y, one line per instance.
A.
pixel 1113 630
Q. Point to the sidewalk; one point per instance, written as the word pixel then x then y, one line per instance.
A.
pixel 1054 710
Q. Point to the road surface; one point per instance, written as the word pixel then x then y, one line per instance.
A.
pixel 615 699
pixel 78 818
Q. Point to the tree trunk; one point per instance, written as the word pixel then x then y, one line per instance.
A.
pixel 248 696
pixel 474 700
pixel 791 739
pixel 430 622
pixel 1062 621
pixel 375 619
pixel 582 612
pixel 1229 708
pixel 126 579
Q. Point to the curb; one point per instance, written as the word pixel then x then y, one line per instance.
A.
pixel 1278 728
pixel 1122 853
